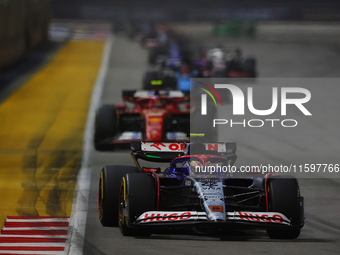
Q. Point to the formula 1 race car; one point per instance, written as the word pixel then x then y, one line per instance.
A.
pixel 162 78
pixel 222 63
pixel 157 37
pixel 172 78
pixel 145 115
pixel 173 74
pixel 186 194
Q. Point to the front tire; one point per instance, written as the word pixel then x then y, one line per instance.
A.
pixel 284 197
pixel 249 66
pixel 137 195
pixel 105 125
pixel 108 193
pixel 201 123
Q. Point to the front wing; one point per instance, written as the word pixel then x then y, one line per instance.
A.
pixel 264 220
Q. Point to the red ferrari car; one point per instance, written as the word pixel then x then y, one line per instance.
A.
pixel 145 115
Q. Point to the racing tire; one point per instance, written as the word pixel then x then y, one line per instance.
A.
pixel 221 74
pixel 170 82
pixel 137 195
pixel 105 126
pixel 108 193
pixel 249 66
pixel 284 197
pixel 203 123
pixel 177 123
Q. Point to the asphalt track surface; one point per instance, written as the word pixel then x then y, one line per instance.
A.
pixel 276 59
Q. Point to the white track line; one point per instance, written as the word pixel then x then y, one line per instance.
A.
pixel 75 243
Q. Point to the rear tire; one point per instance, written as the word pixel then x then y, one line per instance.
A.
pixel 105 126
pixel 177 123
pixel 108 193
pixel 201 123
pixel 283 197
pixel 249 66
pixel 139 197
pixel 221 74
pixel 170 82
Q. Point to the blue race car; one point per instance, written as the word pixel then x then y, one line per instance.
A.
pixel 175 67
pixel 189 194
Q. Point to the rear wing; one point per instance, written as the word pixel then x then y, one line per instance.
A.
pixel 129 95
pixel 219 147
pixel 157 151
pixel 167 151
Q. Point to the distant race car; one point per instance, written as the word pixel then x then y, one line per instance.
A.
pixel 141 200
pixel 173 73
pixel 223 63
pixel 177 61
pixel 177 77
pixel 157 36
pixel 150 115
pixel 163 78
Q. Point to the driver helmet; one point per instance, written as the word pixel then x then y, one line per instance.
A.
pixel 194 166
pixel 215 56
